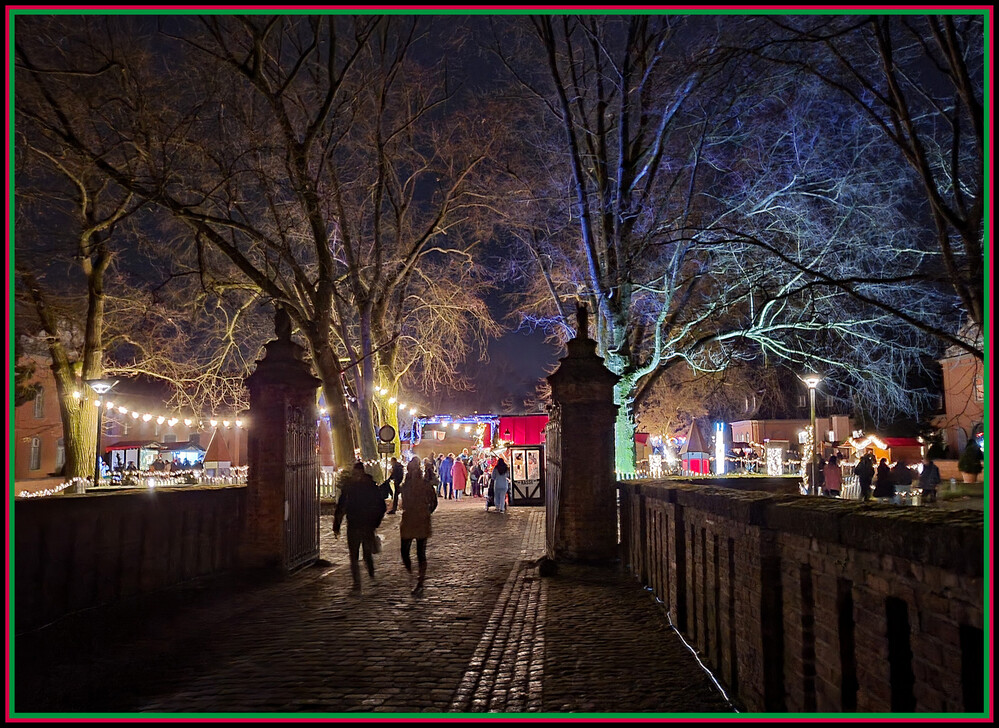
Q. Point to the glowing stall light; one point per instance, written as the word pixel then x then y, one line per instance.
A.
pixel 239 423
pixel 135 415
pixel 123 410
pixel 391 400
pixel 146 417
pixel 213 423
pixel 719 448
pixel 225 423
pixel 455 426
pixel 172 421
pixel 76 395
pixel 97 403
pixel 160 420
pixel 187 422
pixel 775 461
pixel 412 410
pixel 468 428
pixel 109 404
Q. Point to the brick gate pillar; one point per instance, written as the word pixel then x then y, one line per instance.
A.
pixel 282 389
pixel 581 500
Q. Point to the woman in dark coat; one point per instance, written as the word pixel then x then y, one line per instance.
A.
pixel 865 475
pixel 884 487
pixel 419 500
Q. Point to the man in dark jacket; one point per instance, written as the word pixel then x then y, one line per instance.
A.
pixel 362 505
pixel 396 477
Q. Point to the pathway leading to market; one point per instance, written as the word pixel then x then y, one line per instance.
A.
pixel 488 635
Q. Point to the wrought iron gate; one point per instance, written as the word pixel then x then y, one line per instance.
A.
pixel 553 476
pixel 301 495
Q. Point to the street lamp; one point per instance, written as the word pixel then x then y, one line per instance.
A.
pixel 812 381
pixel 101 387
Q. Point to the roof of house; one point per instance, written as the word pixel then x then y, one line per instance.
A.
pixel 695 441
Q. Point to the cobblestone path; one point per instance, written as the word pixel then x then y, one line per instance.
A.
pixel 488 635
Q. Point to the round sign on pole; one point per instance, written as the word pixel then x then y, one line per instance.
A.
pixel 386 433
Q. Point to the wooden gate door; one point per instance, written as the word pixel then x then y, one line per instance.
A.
pixel 301 504
pixel 527 470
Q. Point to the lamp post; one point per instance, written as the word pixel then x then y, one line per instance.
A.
pixel 101 387
pixel 812 380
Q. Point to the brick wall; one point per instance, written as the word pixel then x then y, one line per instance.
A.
pixel 812 605
pixel 75 552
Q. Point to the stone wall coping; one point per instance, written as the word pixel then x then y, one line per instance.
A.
pixel 951 540
pixel 124 492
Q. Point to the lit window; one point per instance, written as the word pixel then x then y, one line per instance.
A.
pixel 40 404
pixel 36 454
pixel 801 400
pixel 60 453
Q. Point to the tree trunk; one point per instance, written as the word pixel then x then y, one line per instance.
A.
pixel 329 373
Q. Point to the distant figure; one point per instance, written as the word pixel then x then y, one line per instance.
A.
pixel 501 484
pixel 419 500
pixel 833 477
pixel 474 476
pixel 396 476
pixel 429 474
pixel 459 478
pixel 929 479
pixel 865 475
pixel 361 504
pixel 445 475
pixel 902 475
pixel 884 486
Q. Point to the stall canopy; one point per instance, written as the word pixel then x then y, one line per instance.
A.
pixel 185 452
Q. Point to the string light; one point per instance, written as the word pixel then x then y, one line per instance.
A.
pixel 172 421
pixel 76 395
pixel 213 423
pixel 412 410
pixel 225 423
pixel 146 417
pixel 135 415
pixel 239 423
pixel 160 420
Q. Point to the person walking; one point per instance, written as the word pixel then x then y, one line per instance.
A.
pixel 884 486
pixel 475 475
pixel 419 500
pixel 447 464
pixel 865 475
pixel 833 477
pixel 501 484
pixel 459 478
pixel 361 503
pixel 396 475
pixel 929 479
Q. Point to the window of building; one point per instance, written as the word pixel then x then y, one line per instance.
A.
pixel 60 453
pixel 830 401
pixel 170 438
pixel 40 403
pixel 36 454
pixel 195 438
pixel 801 400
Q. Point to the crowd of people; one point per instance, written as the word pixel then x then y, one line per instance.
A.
pixel 362 503
pixel 886 480
pixel 465 475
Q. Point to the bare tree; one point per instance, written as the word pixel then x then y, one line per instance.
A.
pixel 313 153
pixel 919 81
pixel 701 218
